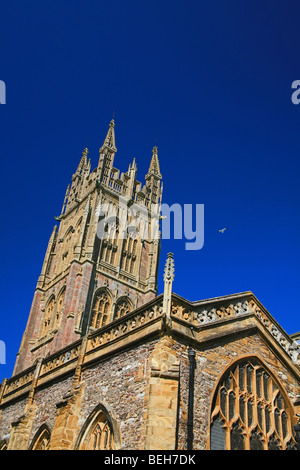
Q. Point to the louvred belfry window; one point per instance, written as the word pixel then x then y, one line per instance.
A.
pixel 250 411
pixel 110 242
pixel 129 252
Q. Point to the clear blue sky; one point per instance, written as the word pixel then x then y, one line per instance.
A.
pixel 210 82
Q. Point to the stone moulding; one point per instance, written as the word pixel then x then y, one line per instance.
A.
pixel 65 361
pixel 185 318
pixel 205 314
pixel 124 326
pixel 19 382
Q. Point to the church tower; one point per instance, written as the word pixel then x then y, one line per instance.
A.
pixel 102 257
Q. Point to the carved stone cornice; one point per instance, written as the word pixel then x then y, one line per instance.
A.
pixel 198 322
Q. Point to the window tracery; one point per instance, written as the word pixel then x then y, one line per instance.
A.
pixel 123 306
pixel 48 316
pixel 42 440
pixel 67 250
pixel 101 310
pixel 98 434
pixel 110 242
pixel 59 309
pixel 129 251
pixel 250 411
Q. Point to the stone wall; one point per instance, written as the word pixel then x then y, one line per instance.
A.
pixel 137 369
pixel 211 362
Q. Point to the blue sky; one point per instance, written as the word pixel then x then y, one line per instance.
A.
pixel 210 82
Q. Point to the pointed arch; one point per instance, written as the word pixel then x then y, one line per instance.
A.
pixel 41 438
pixel 110 240
pixel 78 223
pixel 129 249
pixel 49 309
pixel 59 308
pixel 100 431
pixel 101 310
pixel 68 245
pixel 123 306
pixel 250 410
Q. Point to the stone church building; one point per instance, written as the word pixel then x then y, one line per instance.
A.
pixel 106 363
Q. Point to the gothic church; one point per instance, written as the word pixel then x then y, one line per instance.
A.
pixel 106 363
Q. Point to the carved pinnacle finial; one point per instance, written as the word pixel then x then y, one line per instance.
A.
pixel 168 280
pixel 154 164
pixel 110 141
pixel 169 271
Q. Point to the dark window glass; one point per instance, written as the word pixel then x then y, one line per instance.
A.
pixel 273 444
pixel 249 378
pixel 231 405
pixel 258 383
pixel 256 442
pixel 284 424
pixel 236 438
pixel 260 416
pixel 241 377
pixel 250 413
pixel 223 401
pixel 217 435
pixel 266 382
pixel 242 409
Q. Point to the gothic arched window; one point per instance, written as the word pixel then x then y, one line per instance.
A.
pixel 129 251
pixel 68 247
pixel 250 411
pixel 110 241
pixel 97 433
pixel 101 309
pixel 59 308
pixel 123 306
pixel 41 440
pixel 48 316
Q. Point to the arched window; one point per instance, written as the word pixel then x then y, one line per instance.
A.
pixel 101 309
pixel 129 251
pixel 68 247
pixel 48 316
pixel 59 308
pixel 110 242
pixel 250 411
pixel 98 432
pixel 41 439
pixel 123 306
